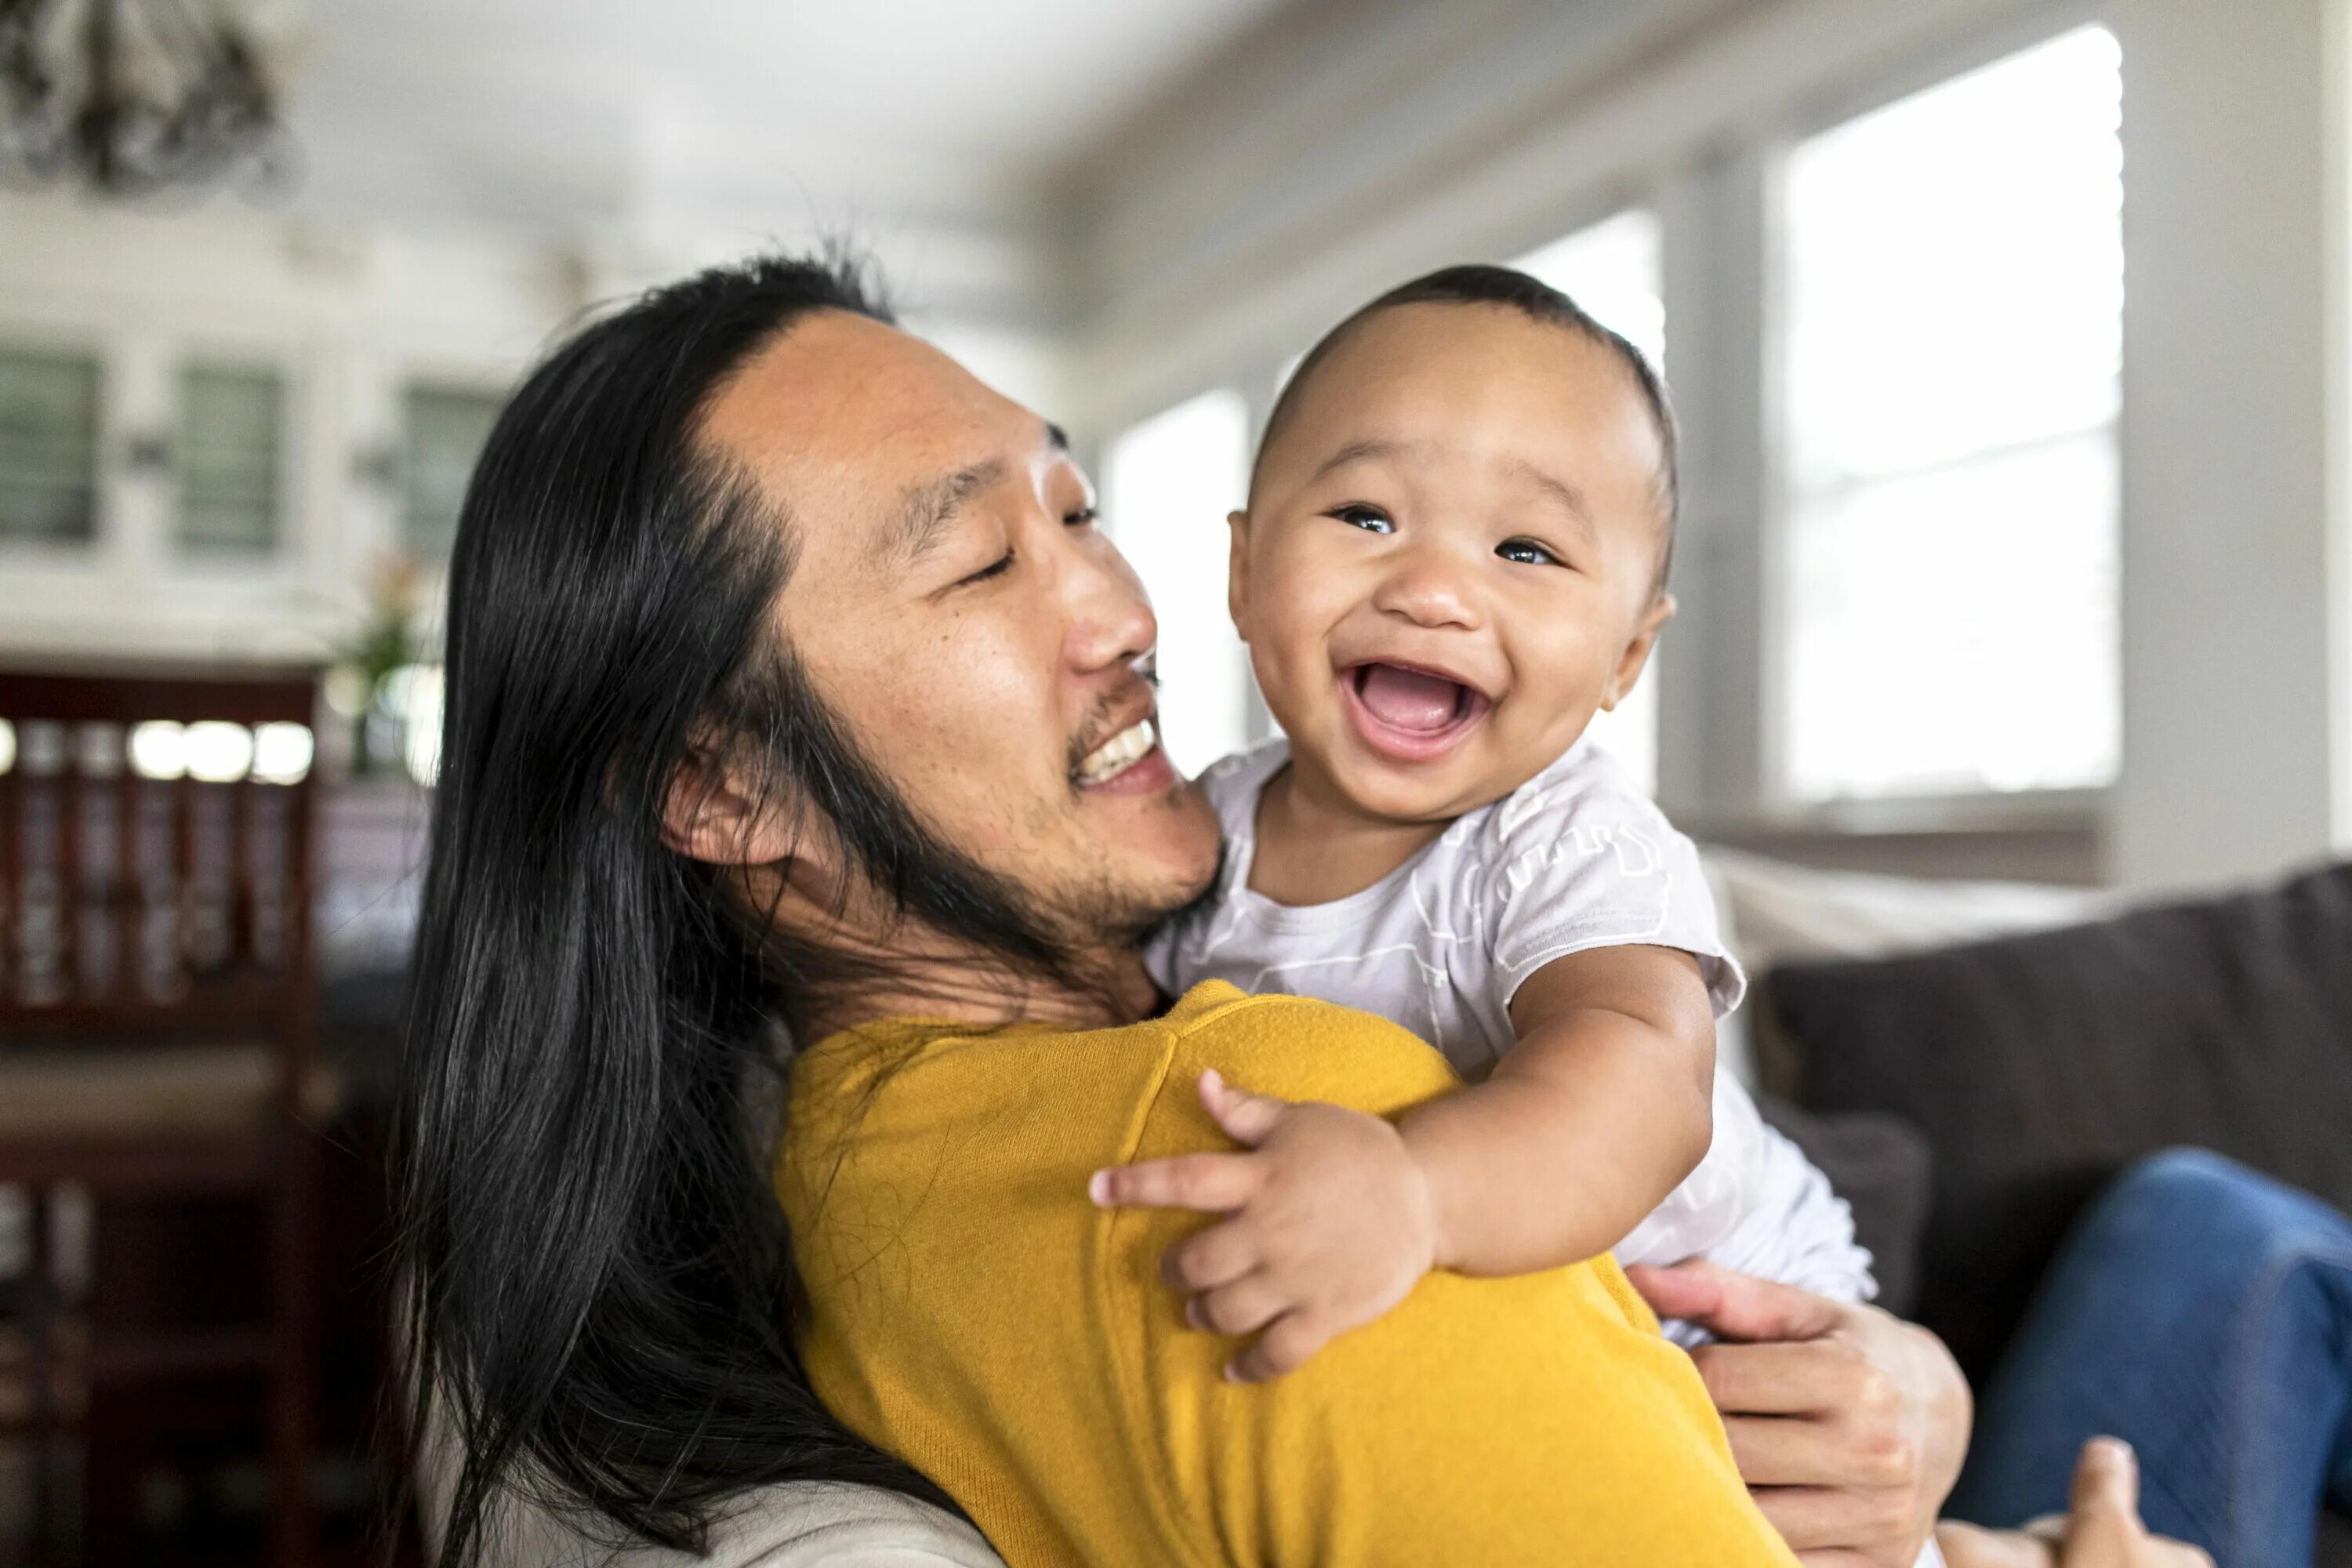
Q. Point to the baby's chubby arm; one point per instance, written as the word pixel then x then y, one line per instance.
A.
pixel 1598 1111
pixel 1593 1117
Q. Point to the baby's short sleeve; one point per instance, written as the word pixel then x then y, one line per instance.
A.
pixel 1578 859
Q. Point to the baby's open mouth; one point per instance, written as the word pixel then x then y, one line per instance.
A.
pixel 1412 715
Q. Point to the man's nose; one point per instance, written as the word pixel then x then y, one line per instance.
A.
pixel 1111 621
pixel 1430 586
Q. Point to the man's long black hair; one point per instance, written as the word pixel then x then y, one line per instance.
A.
pixel 596 1278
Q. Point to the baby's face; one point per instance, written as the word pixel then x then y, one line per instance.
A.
pixel 1450 558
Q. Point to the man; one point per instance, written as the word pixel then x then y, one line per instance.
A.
pixel 791 680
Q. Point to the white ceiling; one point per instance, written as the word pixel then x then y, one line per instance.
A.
pixel 572 111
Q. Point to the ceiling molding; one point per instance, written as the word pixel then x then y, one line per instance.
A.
pixel 1400 101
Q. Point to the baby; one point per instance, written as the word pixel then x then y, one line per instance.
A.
pixel 1454 553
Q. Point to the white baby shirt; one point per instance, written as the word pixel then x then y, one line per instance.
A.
pixel 1575 859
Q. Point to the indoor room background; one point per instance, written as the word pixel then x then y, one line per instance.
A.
pixel 2009 340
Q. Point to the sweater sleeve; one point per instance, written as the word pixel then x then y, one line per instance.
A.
pixel 1540 1418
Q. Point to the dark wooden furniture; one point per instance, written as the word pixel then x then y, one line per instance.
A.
pixel 158 1000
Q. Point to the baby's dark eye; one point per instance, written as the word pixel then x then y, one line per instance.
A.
pixel 1078 519
pixel 1371 519
pixel 1526 552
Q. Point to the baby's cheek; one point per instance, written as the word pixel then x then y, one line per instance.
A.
pixel 1288 677
pixel 1286 629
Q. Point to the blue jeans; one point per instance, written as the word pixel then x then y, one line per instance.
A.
pixel 2204 1313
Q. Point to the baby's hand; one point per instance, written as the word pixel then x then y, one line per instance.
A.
pixel 1329 1224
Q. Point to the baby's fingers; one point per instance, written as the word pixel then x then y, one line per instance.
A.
pixel 1284 1348
pixel 1214 1183
pixel 1244 1307
pixel 1217 1256
pixel 1247 1119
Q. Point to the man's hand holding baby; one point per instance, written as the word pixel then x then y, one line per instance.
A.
pixel 1329 1223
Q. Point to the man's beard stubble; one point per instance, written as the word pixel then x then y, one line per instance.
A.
pixel 1065 935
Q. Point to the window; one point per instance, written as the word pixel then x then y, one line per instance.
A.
pixel 49 449
pixel 1168 484
pixel 229 457
pixel 1612 269
pixel 444 431
pixel 1953 298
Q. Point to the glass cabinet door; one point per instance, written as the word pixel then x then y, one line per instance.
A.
pixel 229 456
pixel 48 448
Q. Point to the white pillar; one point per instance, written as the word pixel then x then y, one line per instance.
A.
pixel 2230 350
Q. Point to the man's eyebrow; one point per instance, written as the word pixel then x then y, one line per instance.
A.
pixel 925 509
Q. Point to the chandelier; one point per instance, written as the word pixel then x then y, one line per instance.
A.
pixel 129 96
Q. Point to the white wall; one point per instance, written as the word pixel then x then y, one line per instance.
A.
pixel 348 315
pixel 350 311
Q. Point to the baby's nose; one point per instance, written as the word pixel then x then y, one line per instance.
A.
pixel 1429 590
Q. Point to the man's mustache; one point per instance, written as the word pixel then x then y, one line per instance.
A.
pixel 1104 719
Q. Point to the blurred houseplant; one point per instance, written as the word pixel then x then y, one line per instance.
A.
pixel 382 680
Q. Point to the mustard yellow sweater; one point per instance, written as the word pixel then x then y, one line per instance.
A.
pixel 969 1312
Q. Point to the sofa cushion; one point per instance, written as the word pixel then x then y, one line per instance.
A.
pixel 2039 1065
pixel 1879 1164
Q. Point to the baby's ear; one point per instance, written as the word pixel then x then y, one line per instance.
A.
pixel 1237 571
pixel 1637 651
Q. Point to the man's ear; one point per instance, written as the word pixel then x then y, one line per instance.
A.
pixel 715 812
pixel 1237 571
pixel 1637 651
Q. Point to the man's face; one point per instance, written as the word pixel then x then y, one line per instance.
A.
pixel 953 601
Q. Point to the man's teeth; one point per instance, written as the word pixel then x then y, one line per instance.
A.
pixel 1118 754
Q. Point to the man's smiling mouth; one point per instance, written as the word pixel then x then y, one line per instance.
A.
pixel 1118 754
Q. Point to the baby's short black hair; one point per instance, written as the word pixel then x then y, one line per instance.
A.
pixel 1480 283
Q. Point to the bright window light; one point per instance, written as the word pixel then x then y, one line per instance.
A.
pixel 1168 484
pixel 1953 298
pixel 414 693
pixel 1629 731
pixel 282 753
pixel 1612 269
pixel 159 749
pixel 7 747
pixel 218 751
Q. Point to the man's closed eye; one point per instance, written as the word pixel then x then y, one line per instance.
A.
pixel 996 568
